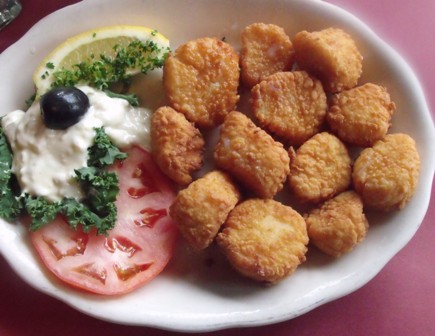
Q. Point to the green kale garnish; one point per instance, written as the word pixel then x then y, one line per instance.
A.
pixel 78 213
pixel 10 203
pixel 103 153
pixel 40 210
pixel 101 186
pixel 5 159
pixel 101 189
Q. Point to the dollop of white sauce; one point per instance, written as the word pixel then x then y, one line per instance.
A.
pixel 44 159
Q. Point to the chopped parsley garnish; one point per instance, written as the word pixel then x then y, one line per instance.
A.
pixel 130 97
pixel 101 187
pixel 101 72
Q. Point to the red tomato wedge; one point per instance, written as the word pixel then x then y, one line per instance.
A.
pixel 134 252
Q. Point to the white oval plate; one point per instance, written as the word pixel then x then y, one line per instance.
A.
pixel 192 295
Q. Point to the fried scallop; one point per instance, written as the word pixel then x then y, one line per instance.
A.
pixel 320 168
pixel 251 155
pixel 361 116
pixel 386 174
pixel 331 55
pixel 264 239
pixel 201 79
pixel 338 225
pixel 291 105
pixel 266 49
pixel 177 145
pixel 200 210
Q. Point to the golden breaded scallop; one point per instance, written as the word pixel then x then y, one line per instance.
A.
pixel 177 145
pixel 331 55
pixel 386 174
pixel 201 79
pixel 200 210
pixel 338 225
pixel 320 168
pixel 266 49
pixel 290 104
pixel 361 116
pixel 264 239
pixel 251 155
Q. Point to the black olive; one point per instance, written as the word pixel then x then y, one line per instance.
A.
pixel 63 107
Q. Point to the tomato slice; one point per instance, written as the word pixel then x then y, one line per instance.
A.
pixel 134 252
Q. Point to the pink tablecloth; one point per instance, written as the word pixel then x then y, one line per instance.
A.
pixel 399 301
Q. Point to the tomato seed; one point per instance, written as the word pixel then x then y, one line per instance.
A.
pixel 137 172
pixel 137 193
pixel 91 271
pixel 142 172
pixel 126 273
pixel 150 217
pixel 121 244
pixel 78 249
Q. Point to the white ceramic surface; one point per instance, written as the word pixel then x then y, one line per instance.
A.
pixel 191 295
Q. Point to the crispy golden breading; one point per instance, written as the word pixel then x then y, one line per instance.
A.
pixel 251 155
pixel 331 55
pixel 177 146
pixel 200 210
pixel 201 79
pixel 264 239
pixel 361 116
pixel 320 168
pixel 338 225
pixel 266 49
pixel 290 104
pixel 386 175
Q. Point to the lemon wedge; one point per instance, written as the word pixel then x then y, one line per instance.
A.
pixel 101 56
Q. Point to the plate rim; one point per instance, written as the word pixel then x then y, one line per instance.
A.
pixel 398 59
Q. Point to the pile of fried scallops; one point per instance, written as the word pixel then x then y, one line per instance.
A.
pixel 307 109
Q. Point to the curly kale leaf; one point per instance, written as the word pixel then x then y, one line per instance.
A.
pixel 103 152
pixel 40 210
pixel 10 203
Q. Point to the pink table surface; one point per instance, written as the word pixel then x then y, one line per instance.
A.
pixel 398 301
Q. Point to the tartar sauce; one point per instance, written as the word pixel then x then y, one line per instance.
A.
pixel 44 159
